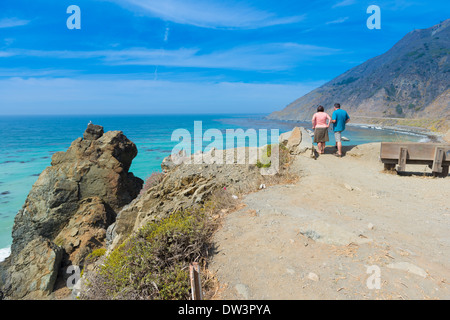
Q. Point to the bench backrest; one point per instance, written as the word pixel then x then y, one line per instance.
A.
pixel 416 151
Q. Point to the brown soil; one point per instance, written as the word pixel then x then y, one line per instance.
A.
pixel 317 238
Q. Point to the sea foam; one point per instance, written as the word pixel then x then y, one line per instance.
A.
pixel 4 253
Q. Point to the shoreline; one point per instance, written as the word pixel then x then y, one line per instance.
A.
pixel 433 136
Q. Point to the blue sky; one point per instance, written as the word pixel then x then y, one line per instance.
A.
pixel 186 56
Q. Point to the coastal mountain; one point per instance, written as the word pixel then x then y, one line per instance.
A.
pixel 411 80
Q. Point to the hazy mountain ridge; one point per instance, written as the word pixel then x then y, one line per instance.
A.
pixel 411 80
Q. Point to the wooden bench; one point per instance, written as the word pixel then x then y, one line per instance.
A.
pixel 435 155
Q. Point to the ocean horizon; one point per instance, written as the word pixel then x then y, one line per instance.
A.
pixel 28 143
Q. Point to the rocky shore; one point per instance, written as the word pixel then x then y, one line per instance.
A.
pixel 88 200
pixel 67 212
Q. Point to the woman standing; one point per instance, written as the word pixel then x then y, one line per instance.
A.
pixel 320 126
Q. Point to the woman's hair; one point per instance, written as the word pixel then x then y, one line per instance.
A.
pixel 320 109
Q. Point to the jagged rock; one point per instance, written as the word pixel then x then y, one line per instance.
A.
pixel 294 139
pixel 86 230
pixel 93 132
pixel 297 141
pixel 74 201
pixel 41 259
pixel 284 137
pixel 184 186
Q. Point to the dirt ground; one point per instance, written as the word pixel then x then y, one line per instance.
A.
pixel 345 230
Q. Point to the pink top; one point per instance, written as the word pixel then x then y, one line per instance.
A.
pixel 319 120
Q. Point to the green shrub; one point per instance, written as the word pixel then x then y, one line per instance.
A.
pixel 97 253
pixel 154 263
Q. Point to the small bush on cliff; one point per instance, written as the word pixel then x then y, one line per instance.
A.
pixel 266 154
pixel 95 255
pixel 154 264
pixel 154 179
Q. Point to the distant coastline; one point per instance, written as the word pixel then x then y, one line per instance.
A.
pixel 390 124
pixel 434 129
pixel 431 136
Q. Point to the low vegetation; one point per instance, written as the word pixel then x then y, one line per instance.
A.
pixel 155 178
pixel 154 263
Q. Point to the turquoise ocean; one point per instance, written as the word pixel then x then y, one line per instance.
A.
pixel 28 142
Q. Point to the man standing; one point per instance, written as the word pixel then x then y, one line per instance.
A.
pixel 339 119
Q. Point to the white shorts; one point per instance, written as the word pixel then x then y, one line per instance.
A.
pixel 338 136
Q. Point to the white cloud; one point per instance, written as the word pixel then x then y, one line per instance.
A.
pixel 344 3
pixel 210 13
pixel 5 54
pixel 262 57
pixel 12 22
pixel 340 20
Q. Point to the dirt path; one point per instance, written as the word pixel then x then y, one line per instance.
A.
pixel 319 238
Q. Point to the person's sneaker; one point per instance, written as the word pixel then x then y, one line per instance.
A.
pixel 338 155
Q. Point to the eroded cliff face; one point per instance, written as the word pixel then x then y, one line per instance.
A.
pixel 68 210
pixel 182 187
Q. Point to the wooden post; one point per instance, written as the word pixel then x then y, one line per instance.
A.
pixel 196 286
pixel 402 159
pixel 438 159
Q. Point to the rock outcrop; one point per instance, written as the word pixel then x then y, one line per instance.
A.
pixel 297 141
pixel 183 186
pixel 68 210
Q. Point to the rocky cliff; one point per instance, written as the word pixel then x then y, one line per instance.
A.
pixel 411 80
pixel 88 199
pixel 68 211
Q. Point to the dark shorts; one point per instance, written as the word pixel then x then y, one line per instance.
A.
pixel 321 135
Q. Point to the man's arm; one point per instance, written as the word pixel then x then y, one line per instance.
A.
pixel 333 119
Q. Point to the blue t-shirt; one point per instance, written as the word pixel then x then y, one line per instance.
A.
pixel 341 117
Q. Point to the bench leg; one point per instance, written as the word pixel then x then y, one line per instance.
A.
pixel 442 174
pixel 389 166
pixel 402 159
